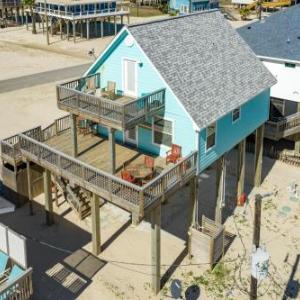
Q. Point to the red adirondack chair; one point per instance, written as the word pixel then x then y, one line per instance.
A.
pixel 174 154
pixel 127 176
pixel 149 162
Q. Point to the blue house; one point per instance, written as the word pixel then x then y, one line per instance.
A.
pixel 217 91
pixel 191 6
pixel 188 83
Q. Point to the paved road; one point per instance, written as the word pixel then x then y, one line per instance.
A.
pixel 41 78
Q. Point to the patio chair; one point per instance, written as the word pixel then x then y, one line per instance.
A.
pixel 127 176
pixel 149 162
pixel 174 154
pixel 110 90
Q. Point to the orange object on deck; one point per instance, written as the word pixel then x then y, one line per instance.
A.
pixel 242 199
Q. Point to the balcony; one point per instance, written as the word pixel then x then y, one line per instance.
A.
pixel 83 97
pixel 284 127
pixel 50 148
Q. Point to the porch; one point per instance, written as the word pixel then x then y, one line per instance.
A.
pixel 86 97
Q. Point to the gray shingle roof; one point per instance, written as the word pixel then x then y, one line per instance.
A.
pixel 278 36
pixel 205 62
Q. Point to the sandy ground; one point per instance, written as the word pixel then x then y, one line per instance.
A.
pixel 123 270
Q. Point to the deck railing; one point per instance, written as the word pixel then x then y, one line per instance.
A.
pixel 288 126
pixel 129 196
pixel 10 149
pixel 19 289
pixel 75 97
pixel 106 11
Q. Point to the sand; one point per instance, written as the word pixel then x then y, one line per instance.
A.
pixel 127 272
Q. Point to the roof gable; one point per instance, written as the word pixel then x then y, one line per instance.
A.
pixel 207 65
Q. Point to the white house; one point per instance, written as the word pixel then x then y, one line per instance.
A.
pixel 276 41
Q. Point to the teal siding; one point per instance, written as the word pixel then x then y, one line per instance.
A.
pixel 148 80
pixel 253 113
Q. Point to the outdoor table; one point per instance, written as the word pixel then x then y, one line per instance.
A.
pixel 139 171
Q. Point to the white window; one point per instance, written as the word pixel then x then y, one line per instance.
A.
pixel 211 136
pixel 236 113
pixel 162 131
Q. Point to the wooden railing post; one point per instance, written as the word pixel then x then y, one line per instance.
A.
pixel 141 203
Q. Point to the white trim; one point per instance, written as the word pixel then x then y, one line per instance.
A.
pixel 279 60
pixel 195 126
pixel 173 130
pixel 135 94
pixel 212 147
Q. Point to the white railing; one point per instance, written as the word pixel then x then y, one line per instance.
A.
pixel 56 12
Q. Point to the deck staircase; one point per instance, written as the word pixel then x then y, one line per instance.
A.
pixel 77 197
pixel 283 128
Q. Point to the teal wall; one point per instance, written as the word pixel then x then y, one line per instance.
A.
pixel 148 80
pixel 253 113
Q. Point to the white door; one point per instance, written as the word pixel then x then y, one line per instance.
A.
pixel 131 136
pixel 130 78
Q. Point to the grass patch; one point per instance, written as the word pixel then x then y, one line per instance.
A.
pixel 144 11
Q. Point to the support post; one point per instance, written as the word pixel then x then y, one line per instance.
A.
pixel 96 30
pixel 101 28
pixel 61 28
pixel 47 30
pixel 297 141
pixel 128 20
pixel 241 164
pixel 155 248
pixel 219 188
pixel 48 197
pixel 26 20
pixel 51 26
pixel 256 240
pixel 74 135
pixel 96 232
pixel 87 29
pixel 115 25
pixel 29 184
pixel 112 149
pixel 259 143
pixel 81 29
pixel 194 201
pixel 68 30
pixel 74 32
pixel 121 20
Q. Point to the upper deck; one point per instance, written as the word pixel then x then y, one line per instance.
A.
pixel 83 96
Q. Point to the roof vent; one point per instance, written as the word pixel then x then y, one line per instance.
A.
pixel 298 37
pixel 249 27
pixel 288 40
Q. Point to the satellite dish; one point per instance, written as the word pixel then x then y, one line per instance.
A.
pixel 176 289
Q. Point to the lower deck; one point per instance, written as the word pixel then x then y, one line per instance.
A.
pixel 94 151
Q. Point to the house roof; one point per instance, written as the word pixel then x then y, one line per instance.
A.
pixel 205 62
pixel 278 36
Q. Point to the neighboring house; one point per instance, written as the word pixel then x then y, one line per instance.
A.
pixel 189 82
pixel 79 17
pixel 276 42
pixel 190 6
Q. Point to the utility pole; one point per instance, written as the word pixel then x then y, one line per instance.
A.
pixel 256 238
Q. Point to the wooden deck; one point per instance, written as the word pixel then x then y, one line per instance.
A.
pixel 93 150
